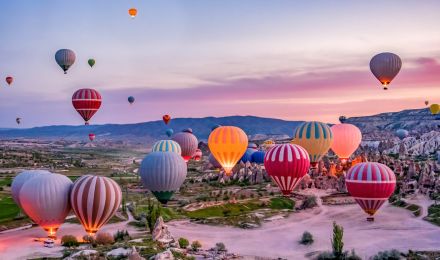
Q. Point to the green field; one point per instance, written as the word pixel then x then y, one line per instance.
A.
pixel 9 209
pixel 433 214
pixel 5 182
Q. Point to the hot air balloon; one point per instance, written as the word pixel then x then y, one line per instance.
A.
pixel 316 138
pixel 227 144
pixel 402 133
pixel 434 108
pixel 18 120
pixel 167 146
pixel 214 127
pixel 346 139
pixel 166 119
pixel 188 142
pixel 94 200
pixel 198 155
pixel 131 100
pixel 268 144
pixel 65 58
pixel 385 66
pixel 92 137
pixel 45 199
pixel 258 157
pixel 9 80
pixel 214 161
pixel 169 132
pixel 426 102
pixel 163 173
pixel 132 12
pixel 287 164
pixel 20 180
pixel 247 156
pixel 342 119
pixel 91 62
pixel 252 146
pixel 87 102
pixel 371 184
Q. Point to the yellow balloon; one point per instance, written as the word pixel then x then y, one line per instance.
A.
pixel 316 138
pixel 435 109
pixel 227 145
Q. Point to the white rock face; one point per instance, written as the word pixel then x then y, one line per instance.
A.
pixel 83 254
pixel 161 232
pixel 166 255
pixel 427 144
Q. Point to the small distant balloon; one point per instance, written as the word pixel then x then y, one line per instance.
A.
pixel 435 109
pixel 402 133
pixel 91 62
pixel 342 119
pixel 18 120
pixel 9 80
pixel 132 12
pixel 426 102
pixel 385 67
pixel 92 137
pixel 131 100
pixel 169 132
pixel 65 59
pixel 166 119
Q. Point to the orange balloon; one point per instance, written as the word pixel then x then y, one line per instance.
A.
pixel 346 139
pixel 132 12
pixel 227 145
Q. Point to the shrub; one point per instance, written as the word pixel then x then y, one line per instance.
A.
pixel 104 238
pixel 306 239
pixel 387 255
pixel 338 240
pixel 309 202
pixel 195 245
pixel 220 246
pixel 88 239
pixel 69 241
pixel 183 242
pixel 121 235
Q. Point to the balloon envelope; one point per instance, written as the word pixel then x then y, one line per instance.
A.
pixel 385 67
pixel 287 164
pixel 247 156
pixel 163 173
pixel 92 137
pixel 198 155
pixel 342 119
pixel 227 144
pixel 315 137
pixel 18 120
pixel 9 80
pixel 402 133
pixel 434 108
pixel 94 200
pixel 45 199
pixel 132 12
pixel 87 102
pixel 346 139
pixel 188 142
pixel 167 146
pixel 20 180
pixel 258 157
pixel 169 132
pixel 91 62
pixel 166 119
pixel 371 184
pixel 65 59
pixel 131 99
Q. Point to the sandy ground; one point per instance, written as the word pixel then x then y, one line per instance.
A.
pixel 394 228
pixel 21 244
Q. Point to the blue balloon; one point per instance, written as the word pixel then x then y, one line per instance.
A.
pixel 258 157
pixel 131 99
pixel 402 133
pixel 247 155
pixel 169 132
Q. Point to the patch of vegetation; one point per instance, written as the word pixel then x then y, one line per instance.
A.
pixel 181 256
pixel 433 214
pixel 183 243
pixel 104 238
pixel 69 241
pixel 306 238
pixel 309 202
pixel 282 203
pixel 6 181
pixel 227 209
pixel 387 255
pixel 338 252
pixel 121 236
pixel 196 245
pixel 9 210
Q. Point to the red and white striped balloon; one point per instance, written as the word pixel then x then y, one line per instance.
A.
pixel 287 164
pixel 95 199
pixel 87 102
pixel 371 184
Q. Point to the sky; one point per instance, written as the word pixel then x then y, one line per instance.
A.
pixel 293 60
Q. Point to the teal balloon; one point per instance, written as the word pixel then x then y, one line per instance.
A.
pixel 131 99
pixel 167 146
pixel 163 173
pixel 169 132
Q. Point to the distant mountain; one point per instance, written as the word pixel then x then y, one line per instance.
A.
pixel 154 130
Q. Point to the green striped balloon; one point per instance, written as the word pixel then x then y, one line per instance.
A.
pixel 167 146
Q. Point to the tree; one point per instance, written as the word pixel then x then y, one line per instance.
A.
pixel 183 243
pixel 220 246
pixel 307 238
pixel 104 238
pixel 337 240
pixel 195 245
pixel 69 241
pixel 153 213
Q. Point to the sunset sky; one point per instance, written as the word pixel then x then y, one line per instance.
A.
pixel 294 60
